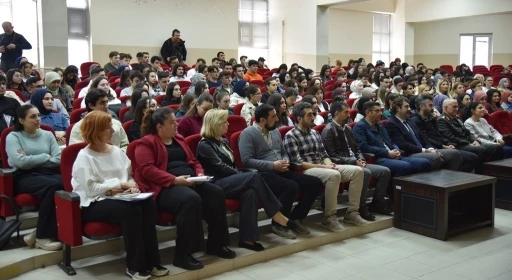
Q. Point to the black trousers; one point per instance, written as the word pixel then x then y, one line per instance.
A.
pixel 138 220
pixel 470 161
pixel 42 186
pixel 285 186
pixel 251 190
pixel 495 152
pixel 190 205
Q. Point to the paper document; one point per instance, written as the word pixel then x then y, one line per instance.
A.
pixel 129 196
pixel 200 179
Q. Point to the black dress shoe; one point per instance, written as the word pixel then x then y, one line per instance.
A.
pixel 365 214
pixel 223 252
pixel 188 263
pixel 255 247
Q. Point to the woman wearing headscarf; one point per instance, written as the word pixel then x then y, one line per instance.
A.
pixel 480 97
pixel 238 95
pixel 506 101
pixel 438 102
pixel 360 108
pixel 42 99
pixel 52 82
pixel 503 85
pixel 368 92
pixel 196 78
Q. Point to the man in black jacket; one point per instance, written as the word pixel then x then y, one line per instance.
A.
pixel 12 45
pixel 452 128
pixel 427 127
pixel 174 46
pixel 341 146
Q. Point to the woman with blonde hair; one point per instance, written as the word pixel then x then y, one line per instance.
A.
pixel 218 160
pixel 104 169
pixel 457 90
pixel 443 87
pixel 381 95
pixel 504 84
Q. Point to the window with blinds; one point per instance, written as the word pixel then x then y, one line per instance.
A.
pixel 381 38
pixel 253 28
pixel 78 32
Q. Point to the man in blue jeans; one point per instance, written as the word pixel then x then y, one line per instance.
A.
pixel 372 137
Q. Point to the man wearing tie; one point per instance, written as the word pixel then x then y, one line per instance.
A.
pixel 372 137
pixel 406 136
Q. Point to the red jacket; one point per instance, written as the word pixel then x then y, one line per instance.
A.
pixel 190 125
pixel 151 163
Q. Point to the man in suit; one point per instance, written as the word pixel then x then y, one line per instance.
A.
pixel 452 128
pixel 427 128
pixel 341 146
pixel 405 135
pixel 372 137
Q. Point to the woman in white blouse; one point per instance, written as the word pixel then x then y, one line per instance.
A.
pixel 484 132
pixel 253 94
pixel 103 169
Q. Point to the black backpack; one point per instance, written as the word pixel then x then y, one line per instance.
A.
pixel 7 228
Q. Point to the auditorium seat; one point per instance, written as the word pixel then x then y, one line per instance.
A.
pixel 447 67
pixel 319 128
pixel 81 85
pixel 6 180
pixel 237 110
pixel 74 117
pixel 159 99
pixel 236 123
pixel 353 113
pixel 84 67
pixel 184 83
pixel 18 93
pixel 69 216
pixel 126 126
pixel 501 122
pixel 77 103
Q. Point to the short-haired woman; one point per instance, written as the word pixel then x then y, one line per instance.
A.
pixel 218 161
pixel 35 156
pixel 164 163
pixel 101 169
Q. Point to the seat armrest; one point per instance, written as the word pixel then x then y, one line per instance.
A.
pixel 6 171
pixel 70 196
pixel 369 158
pixel 336 160
pixel 7 189
pixel 69 217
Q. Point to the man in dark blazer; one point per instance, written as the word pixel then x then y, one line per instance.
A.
pixel 341 146
pixel 452 129
pixel 406 136
pixel 372 137
pixel 427 128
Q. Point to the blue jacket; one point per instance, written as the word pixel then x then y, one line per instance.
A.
pixel 371 139
pixel 403 139
pixel 56 120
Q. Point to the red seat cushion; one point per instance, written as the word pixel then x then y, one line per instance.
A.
pixel 232 205
pixel 165 218
pixel 26 199
pixel 99 230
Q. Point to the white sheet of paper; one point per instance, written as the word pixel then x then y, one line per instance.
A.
pixel 130 197
pixel 200 179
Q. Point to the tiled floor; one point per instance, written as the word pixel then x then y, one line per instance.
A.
pixel 388 254
pixel 395 255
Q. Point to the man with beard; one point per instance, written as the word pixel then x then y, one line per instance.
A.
pixel 174 46
pixel 261 148
pixel 341 146
pixel 427 128
pixel 305 149
pixel 406 136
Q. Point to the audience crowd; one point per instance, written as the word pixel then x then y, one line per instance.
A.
pixel 298 136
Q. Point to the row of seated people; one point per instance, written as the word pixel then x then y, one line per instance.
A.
pixel 298 154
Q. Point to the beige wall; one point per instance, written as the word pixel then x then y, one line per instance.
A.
pixel 206 26
pixel 437 42
pixel 350 35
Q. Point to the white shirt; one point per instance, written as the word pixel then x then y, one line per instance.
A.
pixel 318 120
pixel 191 72
pixel 176 78
pixel 96 173
pixel 85 90
pixel 127 91
pixel 354 94
pixel 119 138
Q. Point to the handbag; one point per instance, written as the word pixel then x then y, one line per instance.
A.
pixel 7 228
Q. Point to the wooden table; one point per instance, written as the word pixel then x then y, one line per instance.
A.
pixel 443 203
pixel 502 169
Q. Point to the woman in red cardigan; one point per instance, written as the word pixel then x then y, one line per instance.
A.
pixel 163 163
pixel 192 122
